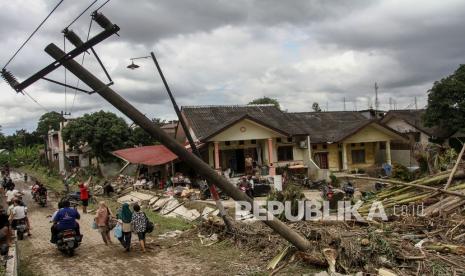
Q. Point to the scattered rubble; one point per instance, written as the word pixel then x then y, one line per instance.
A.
pixel 136 197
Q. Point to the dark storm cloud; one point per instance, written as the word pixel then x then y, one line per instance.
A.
pixel 147 21
pixel 426 42
pixel 230 52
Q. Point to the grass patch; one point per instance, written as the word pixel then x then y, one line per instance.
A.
pixel 43 174
pixel 166 224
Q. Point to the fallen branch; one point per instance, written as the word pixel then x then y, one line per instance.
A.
pixel 446 248
pixel 396 182
pixel 451 176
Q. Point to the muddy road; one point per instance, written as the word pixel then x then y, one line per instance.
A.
pixel 93 257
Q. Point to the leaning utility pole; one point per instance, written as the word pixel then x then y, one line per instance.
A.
pixel 203 169
pixel 156 132
pixel 195 150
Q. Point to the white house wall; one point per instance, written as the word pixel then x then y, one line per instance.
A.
pixel 403 127
pixel 245 130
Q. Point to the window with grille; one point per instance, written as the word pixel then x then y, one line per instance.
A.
pixel 285 153
pixel 358 156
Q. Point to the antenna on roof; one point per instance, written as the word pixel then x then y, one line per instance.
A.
pixel 416 103
pixel 376 99
pixel 344 103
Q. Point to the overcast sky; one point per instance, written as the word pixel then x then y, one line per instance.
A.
pixel 230 52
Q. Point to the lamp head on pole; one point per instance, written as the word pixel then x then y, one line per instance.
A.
pixel 133 66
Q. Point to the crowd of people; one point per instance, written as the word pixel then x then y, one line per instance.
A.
pixel 13 210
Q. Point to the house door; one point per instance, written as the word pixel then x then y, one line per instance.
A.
pixel 321 159
pixel 240 159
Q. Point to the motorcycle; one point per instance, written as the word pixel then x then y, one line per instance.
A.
pixel 42 200
pixel 21 228
pixel 247 190
pixel 349 190
pixel 68 241
pixel 35 192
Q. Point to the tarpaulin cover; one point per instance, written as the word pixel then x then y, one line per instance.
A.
pixel 148 155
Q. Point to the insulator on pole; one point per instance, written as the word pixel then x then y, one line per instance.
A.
pixel 72 37
pixel 10 79
pixel 102 20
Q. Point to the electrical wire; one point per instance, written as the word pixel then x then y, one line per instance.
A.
pixel 72 22
pixel 101 6
pixel 82 62
pixel 64 49
pixel 34 100
pixel 33 33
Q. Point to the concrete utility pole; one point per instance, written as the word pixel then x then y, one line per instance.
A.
pixel 65 163
pixel 195 150
pixel 156 132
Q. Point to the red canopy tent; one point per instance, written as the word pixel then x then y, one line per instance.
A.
pixel 147 155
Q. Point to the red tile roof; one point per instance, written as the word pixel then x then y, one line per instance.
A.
pixel 148 155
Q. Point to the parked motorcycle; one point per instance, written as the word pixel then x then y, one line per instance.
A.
pixel 247 190
pixel 68 241
pixel 205 191
pixel 349 190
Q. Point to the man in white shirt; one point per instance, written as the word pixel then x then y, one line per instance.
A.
pixel 17 214
pixel 10 194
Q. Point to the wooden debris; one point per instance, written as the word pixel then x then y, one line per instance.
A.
pixel 445 248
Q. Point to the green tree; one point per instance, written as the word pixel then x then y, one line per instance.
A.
pixel 446 102
pixel 140 137
pixel 103 131
pixel 266 100
pixel 316 107
pixel 49 120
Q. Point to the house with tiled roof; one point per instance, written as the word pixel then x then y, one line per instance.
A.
pixel 274 138
pixel 410 122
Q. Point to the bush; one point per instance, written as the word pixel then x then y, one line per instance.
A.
pixel 291 193
pixel 22 156
pixel 334 180
pixel 401 172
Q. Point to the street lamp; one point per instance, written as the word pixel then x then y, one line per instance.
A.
pixel 133 66
pixel 194 148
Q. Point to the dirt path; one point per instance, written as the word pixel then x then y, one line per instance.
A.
pixel 93 257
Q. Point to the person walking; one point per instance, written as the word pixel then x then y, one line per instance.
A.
pixel 125 215
pixel 102 219
pixel 84 195
pixel 139 224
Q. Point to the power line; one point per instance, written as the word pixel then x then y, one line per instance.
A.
pixel 72 22
pixel 34 100
pixel 101 6
pixel 33 33
pixel 64 49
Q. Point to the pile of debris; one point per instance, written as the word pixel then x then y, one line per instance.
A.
pixel 408 246
pixel 414 241
pixel 437 194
